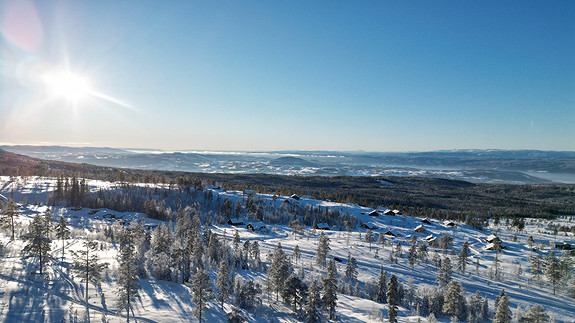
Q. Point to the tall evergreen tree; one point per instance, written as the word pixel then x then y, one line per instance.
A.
pixel 202 292
pixel 322 249
pixel 128 286
pixel 462 257
pixel 444 274
pixel 294 292
pixel 412 252
pixel 62 232
pixel 87 264
pixel 223 283
pixel 502 312
pixel 454 301
pixel 351 269
pixel 329 299
pixel 422 252
pixel 392 298
pixel 381 294
pixel 553 271
pixel 369 237
pixel 279 270
pixel 9 212
pixel 312 304
pixel 39 244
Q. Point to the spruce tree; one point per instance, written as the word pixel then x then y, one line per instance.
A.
pixel 381 294
pixel 503 313
pixel 128 286
pixel 223 283
pixel 322 249
pixel 351 269
pixel 294 292
pixel 444 274
pixel 87 264
pixel 535 314
pixel 462 257
pixel 329 299
pixel 553 271
pixel 62 232
pixel 412 252
pixel 422 252
pixel 392 298
pixel 39 244
pixel 312 304
pixel 454 301
pixel 369 237
pixel 9 212
pixel 296 253
pixel 279 270
pixel 202 292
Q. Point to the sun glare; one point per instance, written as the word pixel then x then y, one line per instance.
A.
pixel 67 85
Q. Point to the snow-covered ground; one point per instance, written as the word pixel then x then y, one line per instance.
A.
pixel 27 297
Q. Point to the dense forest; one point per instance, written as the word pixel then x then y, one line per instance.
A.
pixel 439 198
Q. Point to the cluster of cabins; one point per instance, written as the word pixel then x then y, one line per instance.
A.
pixel 252 227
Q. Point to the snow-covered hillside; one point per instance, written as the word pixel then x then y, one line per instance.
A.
pixel 58 294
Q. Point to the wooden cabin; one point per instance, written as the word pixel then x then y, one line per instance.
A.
pixel 373 213
pixel 420 229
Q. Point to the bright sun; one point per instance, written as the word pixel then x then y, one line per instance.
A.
pixel 67 85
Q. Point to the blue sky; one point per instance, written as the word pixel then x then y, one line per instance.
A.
pixel 274 75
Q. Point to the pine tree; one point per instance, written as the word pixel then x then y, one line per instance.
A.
pixel 444 274
pixel 381 294
pixel 223 283
pixel 296 253
pixel 48 220
pixel 62 232
pixel 454 300
pixel 351 269
pixel 475 307
pixel 87 264
pixel 313 304
pixel 39 244
pixel 202 293
pixel 536 266
pixel 369 237
pixel 485 309
pixel 422 252
pixel 279 270
pixel 248 294
pixel 128 286
pixel 462 257
pixel 553 271
pixel 329 299
pixel 9 212
pixel 412 252
pixel 503 313
pixel 294 291
pixel 392 298
pixel 322 249
pixel 535 314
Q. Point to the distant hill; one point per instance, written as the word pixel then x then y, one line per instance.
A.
pixel 292 161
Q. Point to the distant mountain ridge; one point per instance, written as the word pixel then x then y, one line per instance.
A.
pixel 487 166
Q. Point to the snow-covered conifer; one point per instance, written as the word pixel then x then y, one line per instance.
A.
pixel 392 298
pixel 128 285
pixel 462 257
pixel 223 283
pixel 279 271
pixel 329 299
pixel 62 232
pixel 9 212
pixel 351 269
pixel 444 274
pixel 202 293
pixel 312 304
pixel 294 292
pixel 502 312
pixel 454 301
pixel 39 244
pixel 322 249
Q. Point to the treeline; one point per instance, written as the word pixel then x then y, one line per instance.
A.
pixel 438 198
